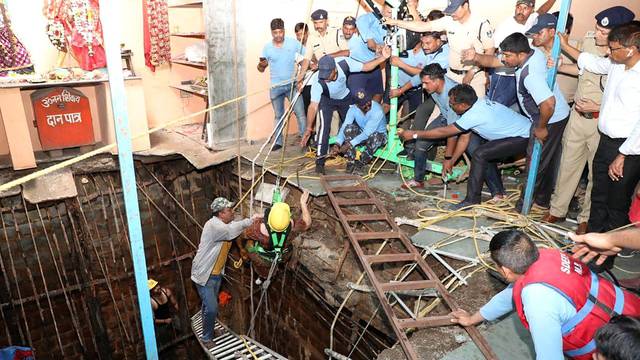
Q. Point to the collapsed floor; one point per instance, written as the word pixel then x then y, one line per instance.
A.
pixel 67 285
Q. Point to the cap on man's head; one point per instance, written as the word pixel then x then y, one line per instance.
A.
pixel 326 65
pixel 220 204
pixel 529 3
pixel 452 6
pixel 614 16
pixel 319 14
pixel 349 20
pixel 544 21
pixel 361 97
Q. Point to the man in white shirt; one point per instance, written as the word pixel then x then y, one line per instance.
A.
pixel 616 165
pixel 503 80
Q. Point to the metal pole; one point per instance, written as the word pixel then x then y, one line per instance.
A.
pixel 551 80
pixel 108 15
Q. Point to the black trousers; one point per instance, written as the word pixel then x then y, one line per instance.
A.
pixel 326 108
pixel 549 162
pixel 485 156
pixel 610 200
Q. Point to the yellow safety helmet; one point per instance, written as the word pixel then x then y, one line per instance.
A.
pixel 279 217
pixel 151 283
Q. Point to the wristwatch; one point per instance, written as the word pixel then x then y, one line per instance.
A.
pixel 415 136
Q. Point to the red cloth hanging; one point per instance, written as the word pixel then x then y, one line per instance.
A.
pixel 157 48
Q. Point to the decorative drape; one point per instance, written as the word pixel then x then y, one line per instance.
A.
pixel 157 48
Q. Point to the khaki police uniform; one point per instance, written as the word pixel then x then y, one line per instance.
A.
pixel 580 140
pixel 476 33
pixel 319 46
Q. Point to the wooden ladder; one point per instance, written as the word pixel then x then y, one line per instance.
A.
pixel 360 195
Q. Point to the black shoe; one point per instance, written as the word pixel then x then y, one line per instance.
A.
pixel 320 169
pixel 403 153
pixel 276 147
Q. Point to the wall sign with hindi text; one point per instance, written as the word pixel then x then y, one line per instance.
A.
pixel 63 118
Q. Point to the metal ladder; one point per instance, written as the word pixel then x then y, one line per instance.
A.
pixel 359 195
pixel 230 345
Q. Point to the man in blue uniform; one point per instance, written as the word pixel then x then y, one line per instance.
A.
pixel 548 110
pixel 329 93
pixel 281 53
pixel 505 131
pixel 365 125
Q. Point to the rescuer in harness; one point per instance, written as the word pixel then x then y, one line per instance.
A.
pixel 556 297
pixel 266 238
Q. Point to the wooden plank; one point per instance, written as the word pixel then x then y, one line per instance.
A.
pixel 337 189
pixel 404 257
pixel 366 217
pixel 354 202
pixel 408 285
pixel 426 322
pixel 359 236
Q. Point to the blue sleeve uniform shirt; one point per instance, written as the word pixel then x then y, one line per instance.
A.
pixel 532 89
pixel 442 100
pixel 545 318
pixel 337 89
pixel 358 49
pixel 370 27
pixel 371 122
pixel 415 59
pixel 439 57
pixel 493 121
pixel 282 60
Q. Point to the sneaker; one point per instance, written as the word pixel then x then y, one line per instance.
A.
pixel 320 169
pixel 412 184
pixel 276 147
pixel 209 344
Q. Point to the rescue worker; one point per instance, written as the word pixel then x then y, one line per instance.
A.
pixel 165 311
pixel 365 124
pixel 619 339
pixel 272 234
pixel 329 93
pixel 208 264
pixel 581 137
pixel 503 131
pixel 464 30
pixel 547 109
pixel 557 298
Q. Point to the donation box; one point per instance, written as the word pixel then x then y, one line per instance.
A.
pixel 63 118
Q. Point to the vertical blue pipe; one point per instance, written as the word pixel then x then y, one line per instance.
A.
pixel 551 80
pixel 109 15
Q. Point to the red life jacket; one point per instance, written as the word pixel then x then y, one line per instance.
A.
pixel 596 299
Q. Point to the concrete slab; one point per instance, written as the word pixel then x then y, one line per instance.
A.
pixel 185 140
pixel 508 339
pixel 56 185
pixel 465 247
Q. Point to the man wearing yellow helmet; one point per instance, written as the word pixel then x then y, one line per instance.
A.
pixel 267 237
pixel 165 311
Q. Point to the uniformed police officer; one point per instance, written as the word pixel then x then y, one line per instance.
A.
pixel 329 93
pixel 323 40
pixel 464 30
pixel 581 137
